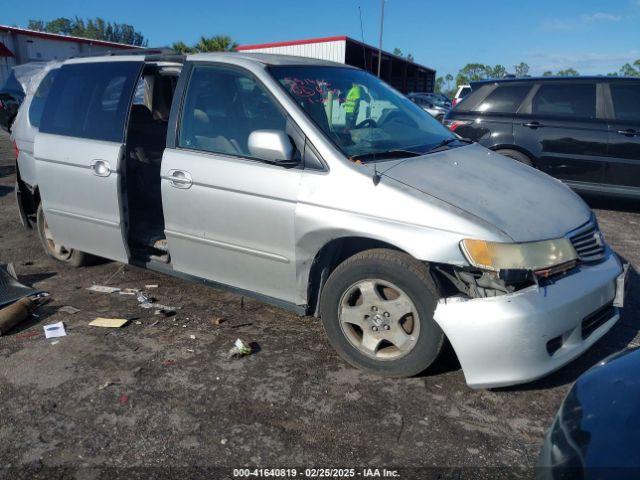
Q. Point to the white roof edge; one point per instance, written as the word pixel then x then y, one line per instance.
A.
pixel 105 58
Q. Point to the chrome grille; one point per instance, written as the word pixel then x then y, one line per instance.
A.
pixel 588 242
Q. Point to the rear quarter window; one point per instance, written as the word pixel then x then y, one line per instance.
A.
pixel 91 100
pixel 626 101
pixel 40 97
pixel 565 100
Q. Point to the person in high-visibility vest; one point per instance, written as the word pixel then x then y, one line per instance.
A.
pixel 352 105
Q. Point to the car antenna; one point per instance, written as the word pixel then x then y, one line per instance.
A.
pixel 376 175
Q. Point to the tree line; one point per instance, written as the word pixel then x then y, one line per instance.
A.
pixel 100 29
pixel 94 28
pixel 217 43
pixel 473 72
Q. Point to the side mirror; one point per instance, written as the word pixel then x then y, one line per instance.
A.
pixel 273 146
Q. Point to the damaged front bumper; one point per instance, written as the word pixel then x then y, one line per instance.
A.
pixel 521 336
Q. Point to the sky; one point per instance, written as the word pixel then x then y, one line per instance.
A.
pixel 592 36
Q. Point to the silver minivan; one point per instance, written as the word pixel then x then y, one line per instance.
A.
pixel 260 174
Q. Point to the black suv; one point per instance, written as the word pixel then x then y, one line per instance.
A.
pixel 583 130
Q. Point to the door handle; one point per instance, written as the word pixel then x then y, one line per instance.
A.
pixel 180 179
pixel 533 125
pixel 101 168
pixel 629 132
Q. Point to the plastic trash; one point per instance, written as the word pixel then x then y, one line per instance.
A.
pixel 240 349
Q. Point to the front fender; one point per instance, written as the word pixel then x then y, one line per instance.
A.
pixel 423 243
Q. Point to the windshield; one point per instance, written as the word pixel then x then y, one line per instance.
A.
pixel 439 101
pixel 360 113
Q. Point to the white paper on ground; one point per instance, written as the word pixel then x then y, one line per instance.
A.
pixel 54 330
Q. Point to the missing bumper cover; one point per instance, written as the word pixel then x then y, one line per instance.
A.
pixel 481 284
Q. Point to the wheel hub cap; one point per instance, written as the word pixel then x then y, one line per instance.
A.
pixel 379 319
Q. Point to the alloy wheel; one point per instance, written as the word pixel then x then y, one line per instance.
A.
pixel 379 319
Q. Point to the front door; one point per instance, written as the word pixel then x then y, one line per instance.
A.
pixel 229 215
pixel 79 154
pixel 623 168
pixel 560 126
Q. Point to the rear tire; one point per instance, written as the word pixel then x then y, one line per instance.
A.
pixel 518 156
pixel 72 257
pixel 377 310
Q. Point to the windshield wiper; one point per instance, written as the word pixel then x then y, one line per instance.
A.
pixel 388 154
pixel 439 147
pixel 445 143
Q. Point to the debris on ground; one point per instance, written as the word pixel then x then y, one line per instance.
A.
pixel 238 325
pixel 240 349
pixel 149 287
pixel 19 301
pixel 164 312
pixel 154 323
pixel 138 322
pixel 15 313
pixel 55 330
pixel 108 322
pixel 105 385
pixel 69 309
pixel 123 399
pixel 218 321
pixel 145 298
pixel 55 342
pixel 11 289
pixel 192 337
pixel 223 441
pixel 129 291
pixel 103 289
pixel 31 334
pixel 158 306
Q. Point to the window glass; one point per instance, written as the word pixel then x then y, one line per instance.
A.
pixel 504 99
pixel 222 108
pixel 566 99
pixel 464 92
pixel 626 101
pixel 359 112
pixel 439 101
pixel 40 97
pixel 91 100
pixel 112 93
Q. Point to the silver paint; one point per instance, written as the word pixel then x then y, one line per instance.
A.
pixel 259 227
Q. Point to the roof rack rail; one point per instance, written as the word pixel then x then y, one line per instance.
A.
pixel 130 51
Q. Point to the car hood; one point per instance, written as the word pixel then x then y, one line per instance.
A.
pixel 522 202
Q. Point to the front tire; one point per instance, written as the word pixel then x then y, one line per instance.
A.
pixel 377 310
pixel 75 258
pixel 516 155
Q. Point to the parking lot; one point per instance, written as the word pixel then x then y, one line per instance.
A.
pixel 162 392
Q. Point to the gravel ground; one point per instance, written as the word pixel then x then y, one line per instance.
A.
pixel 152 395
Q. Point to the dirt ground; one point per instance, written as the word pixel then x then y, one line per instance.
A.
pixel 160 392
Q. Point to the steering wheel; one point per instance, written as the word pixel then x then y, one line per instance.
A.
pixel 367 122
pixel 395 116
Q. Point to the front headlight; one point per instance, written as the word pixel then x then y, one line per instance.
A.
pixel 528 256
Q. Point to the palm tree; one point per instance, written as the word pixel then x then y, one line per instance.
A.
pixel 217 43
pixel 181 47
pixel 448 78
